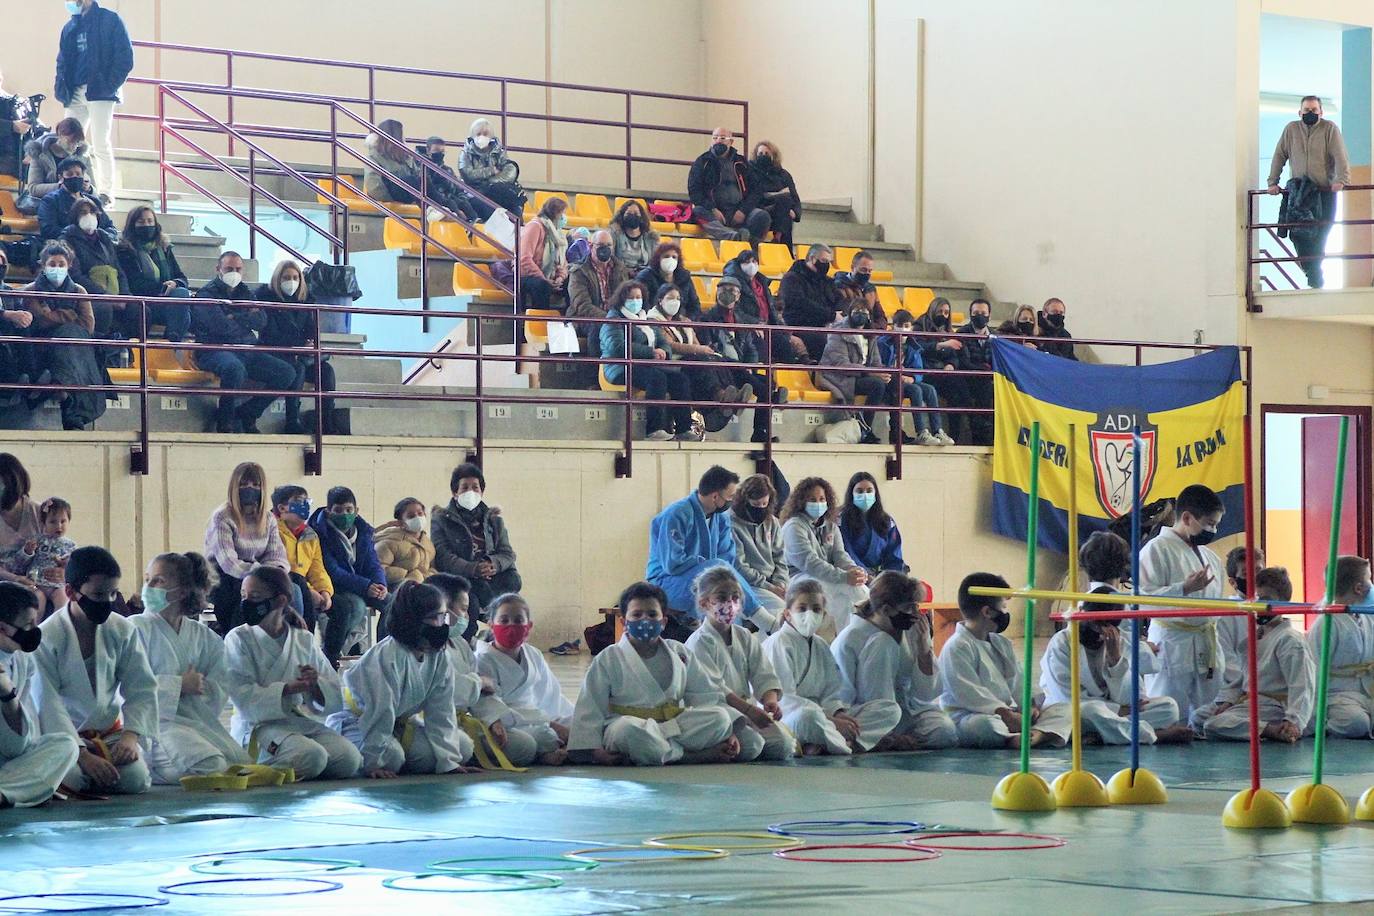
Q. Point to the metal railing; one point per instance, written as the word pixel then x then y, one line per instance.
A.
pixel 1258 256
pixel 446 82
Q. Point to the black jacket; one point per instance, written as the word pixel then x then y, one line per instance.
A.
pixel 55 210
pixel 977 352
pixel 1053 340
pixel 705 175
pixel 111 53
pixel 809 300
pixel 763 181
pixel 285 327
pixel 95 250
pixel 682 279
pixel 144 277
pixel 227 324
pixel 748 344
pixel 1302 204
pixel 747 309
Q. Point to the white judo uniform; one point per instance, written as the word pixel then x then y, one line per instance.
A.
pixel 741 668
pixel 33 762
pixel 101 697
pixel 1103 690
pixel 190 740
pixel 653 711
pixel 874 666
pixel 532 698
pixel 1192 664
pixel 1287 686
pixel 386 693
pixel 286 730
pixel 468 699
pixel 981 677
pixel 812 689
pixel 1350 690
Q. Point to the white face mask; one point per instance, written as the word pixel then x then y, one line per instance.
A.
pixel 231 278
pixel 670 307
pixel 751 268
pixel 88 222
pixel 416 523
pixel 667 265
pixel 469 499
pixel 289 287
pixel 56 275
pixel 805 622
pixel 482 142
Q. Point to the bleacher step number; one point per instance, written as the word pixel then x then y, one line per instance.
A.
pixel 498 412
pixel 546 413
pixel 173 403
pixel 596 414
pixel 813 419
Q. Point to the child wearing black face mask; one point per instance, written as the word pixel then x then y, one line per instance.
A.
pixel 982 677
pixel 32 763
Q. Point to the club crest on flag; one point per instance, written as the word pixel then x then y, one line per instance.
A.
pixel 1111 448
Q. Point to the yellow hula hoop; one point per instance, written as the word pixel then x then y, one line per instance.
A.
pixel 759 840
pixel 599 854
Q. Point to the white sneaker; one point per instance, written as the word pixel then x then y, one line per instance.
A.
pixel 944 438
pixel 925 438
pixel 659 435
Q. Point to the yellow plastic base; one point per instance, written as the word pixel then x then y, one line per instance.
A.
pixel 1079 789
pixel 1145 789
pixel 1364 811
pixel 1256 809
pixel 1318 804
pixel 1023 792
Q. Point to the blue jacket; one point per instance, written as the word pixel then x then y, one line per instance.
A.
pixel 682 543
pixel 911 356
pixel 612 337
pixel 874 551
pixel 364 570
pixel 55 209
pixel 111 56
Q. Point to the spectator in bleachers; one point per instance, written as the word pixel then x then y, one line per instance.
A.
pixel 55 209
pixel 16 360
pixel 930 426
pixel 977 356
pixel 723 203
pixel 94 58
pixel 943 353
pixel 809 297
pixel 96 267
pixel 871 536
pixel 13 150
pixel 236 324
pixel 543 265
pixel 287 327
pixel 21 520
pixel 777 192
pixel 591 283
pixel 665 266
pixel 847 349
pixel 387 153
pixel 149 262
pixel 1315 151
pixel 1050 323
pixel 241 535
pixel 634 240
pixel 740 347
pixel 65 141
pixel 646 341
pixel 756 306
pixel 404 549
pixel 484 165
pixel 1022 323
pixel 304 553
pixel 470 540
pixel 350 558
pixel 707 383
pixel 856 285
pixel 758 546
pixel 68 319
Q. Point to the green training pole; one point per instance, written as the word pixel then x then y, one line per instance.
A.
pixel 1324 670
pixel 1032 530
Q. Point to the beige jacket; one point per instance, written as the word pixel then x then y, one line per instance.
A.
pixel 1316 152
pixel 404 556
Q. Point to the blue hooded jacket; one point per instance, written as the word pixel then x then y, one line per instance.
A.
pixel 364 570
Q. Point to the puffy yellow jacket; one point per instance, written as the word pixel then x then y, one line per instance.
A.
pixel 404 556
pixel 306 556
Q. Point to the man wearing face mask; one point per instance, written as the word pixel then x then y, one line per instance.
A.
pixel 591 283
pixel 977 356
pixel 94 58
pixel 1350 708
pixel 1315 152
pixel 55 208
pixel 304 553
pixel 350 558
pixel 723 203
pixel 96 683
pixel 33 761
pixel 1055 338
pixel 470 540
pixel 855 286
pixel 809 297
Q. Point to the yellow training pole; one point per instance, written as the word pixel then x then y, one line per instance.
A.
pixel 1076 788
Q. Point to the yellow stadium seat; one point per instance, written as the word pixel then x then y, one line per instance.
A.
pixel 729 250
pixel 916 299
pixel 574 221
pixel 800 387
pixel 537 332
pixel 595 208
pixel 700 255
pixel 14 221
pixel 773 287
pixel 689 229
pixel 888 299
pixel 356 203
pixel 129 376
pixel 706 291
pixel 454 236
pixel 477 284
pixel 9 183
pixel 774 259
pixel 844 257
pixel 607 385
pixel 957 318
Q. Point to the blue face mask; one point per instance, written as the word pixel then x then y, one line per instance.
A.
pixel 562 221
pixel 299 508
pixel 865 501
pixel 154 599
pixel 73 7
pixel 816 510
pixel 646 629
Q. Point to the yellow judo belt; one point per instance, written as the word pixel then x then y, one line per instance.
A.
pixel 405 726
pixel 1362 669
pixel 664 712
pixel 246 776
pixel 1276 697
pixel 1207 627
pixel 489 754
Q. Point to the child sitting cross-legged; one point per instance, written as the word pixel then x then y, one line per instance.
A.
pixel 537 722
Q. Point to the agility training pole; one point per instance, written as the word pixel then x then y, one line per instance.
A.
pixel 1024 790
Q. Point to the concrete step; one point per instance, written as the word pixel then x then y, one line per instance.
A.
pixel 201 267
pixel 377 370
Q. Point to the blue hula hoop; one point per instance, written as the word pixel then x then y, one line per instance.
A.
pixel 138 902
pixel 319 886
pixel 865 828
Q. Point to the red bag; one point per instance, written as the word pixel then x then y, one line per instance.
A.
pixel 670 212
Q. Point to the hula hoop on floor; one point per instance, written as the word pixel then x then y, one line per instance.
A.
pixel 533 882
pixel 488 864
pixel 610 855
pixel 754 840
pixel 129 902
pixel 842 828
pixel 796 854
pixel 316 886
pixel 212 867
pixel 1044 841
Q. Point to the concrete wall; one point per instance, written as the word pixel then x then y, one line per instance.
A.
pixel 581 535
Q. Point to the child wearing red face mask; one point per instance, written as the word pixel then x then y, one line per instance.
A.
pixel 537 724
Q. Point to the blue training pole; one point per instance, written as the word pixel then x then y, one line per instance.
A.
pixel 1135 590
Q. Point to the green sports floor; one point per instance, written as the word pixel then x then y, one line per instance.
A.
pixel 1175 858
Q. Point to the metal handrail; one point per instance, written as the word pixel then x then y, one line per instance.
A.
pixel 1253 228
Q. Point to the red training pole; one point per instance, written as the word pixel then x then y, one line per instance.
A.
pixel 1251 629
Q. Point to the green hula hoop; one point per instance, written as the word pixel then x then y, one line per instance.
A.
pixel 486 864
pixel 533 882
pixel 325 865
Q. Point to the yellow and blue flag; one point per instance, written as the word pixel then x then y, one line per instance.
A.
pixel 1190 414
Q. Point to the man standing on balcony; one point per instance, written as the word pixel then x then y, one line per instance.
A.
pixel 1314 150
pixel 94 58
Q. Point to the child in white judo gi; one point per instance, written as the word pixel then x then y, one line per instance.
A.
pixel 474 701
pixel 33 763
pixel 1178 563
pixel 734 661
pixel 812 686
pixel 398 698
pixel 282 686
pixel 94 663
pixel 536 722
pixel 1350 691
pixel 188 660
pixel 645 701
pixel 1287 675
pixel 885 653
pixel 982 677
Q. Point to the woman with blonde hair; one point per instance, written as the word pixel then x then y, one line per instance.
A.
pixel 777 192
pixel 1022 323
pixel 241 535
pixel 295 327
